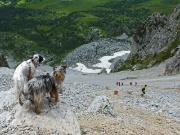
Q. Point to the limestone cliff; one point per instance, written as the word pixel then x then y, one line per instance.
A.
pixel 155 41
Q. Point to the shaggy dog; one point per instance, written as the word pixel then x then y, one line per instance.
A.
pixel 24 72
pixel 38 87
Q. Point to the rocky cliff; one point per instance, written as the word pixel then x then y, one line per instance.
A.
pixel 156 40
pixel 173 66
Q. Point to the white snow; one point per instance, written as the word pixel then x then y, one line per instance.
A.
pixel 81 67
pixel 103 64
pixel 105 59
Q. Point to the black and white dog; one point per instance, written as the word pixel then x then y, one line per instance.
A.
pixel 24 72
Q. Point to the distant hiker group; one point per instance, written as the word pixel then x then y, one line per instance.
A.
pixel 143 89
pixel 121 84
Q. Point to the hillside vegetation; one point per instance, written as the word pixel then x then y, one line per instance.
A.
pixel 55 28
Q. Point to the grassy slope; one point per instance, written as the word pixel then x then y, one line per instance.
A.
pixel 55 22
pixel 163 6
pixel 65 6
pixel 69 6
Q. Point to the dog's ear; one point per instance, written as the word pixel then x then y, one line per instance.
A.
pixel 41 59
pixel 64 68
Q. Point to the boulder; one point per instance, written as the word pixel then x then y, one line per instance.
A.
pixel 55 118
pixel 101 105
pixel 116 64
pixel 103 70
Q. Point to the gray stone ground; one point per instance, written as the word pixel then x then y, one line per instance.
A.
pixel 80 89
pixel 162 92
pixel 55 118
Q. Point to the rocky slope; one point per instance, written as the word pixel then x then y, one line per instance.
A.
pixel 89 54
pixel 128 113
pixel 88 105
pixel 156 40
pixel 173 66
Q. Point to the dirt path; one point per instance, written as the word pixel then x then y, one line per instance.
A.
pixel 129 121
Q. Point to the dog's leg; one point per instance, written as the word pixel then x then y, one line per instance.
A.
pixel 51 94
pixel 20 99
pixel 20 90
pixel 57 97
pixel 37 109
pixel 37 103
pixel 48 96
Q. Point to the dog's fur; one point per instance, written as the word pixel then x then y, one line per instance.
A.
pixel 24 72
pixel 38 87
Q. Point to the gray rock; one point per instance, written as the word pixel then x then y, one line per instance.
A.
pixel 156 35
pixel 116 64
pixel 103 71
pixel 173 67
pixel 92 37
pixel 101 105
pixel 89 54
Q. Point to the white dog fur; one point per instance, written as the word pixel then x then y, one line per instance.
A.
pixel 24 72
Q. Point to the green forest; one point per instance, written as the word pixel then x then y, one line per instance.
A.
pixel 55 28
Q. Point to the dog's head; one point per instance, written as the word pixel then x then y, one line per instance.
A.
pixel 37 59
pixel 59 72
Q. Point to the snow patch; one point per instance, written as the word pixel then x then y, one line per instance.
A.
pixel 103 64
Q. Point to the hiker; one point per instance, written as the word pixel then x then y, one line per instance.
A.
pixel 135 83
pixel 143 90
pixel 130 83
pixel 116 83
pixel 119 84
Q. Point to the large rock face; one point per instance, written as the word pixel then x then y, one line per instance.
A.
pixel 173 67
pixel 146 32
pixel 156 36
pixel 56 118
